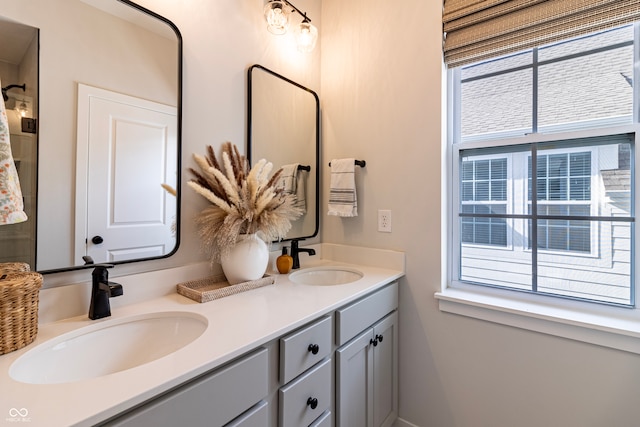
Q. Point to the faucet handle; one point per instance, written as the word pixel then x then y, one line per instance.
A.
pixel 115 289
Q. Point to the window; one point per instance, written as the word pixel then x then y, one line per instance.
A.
pixel 567 111
pixel 484 191
pixel 561 178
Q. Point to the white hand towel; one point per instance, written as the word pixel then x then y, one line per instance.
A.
pixel 293 181
pixel 342 189
pixel 11 205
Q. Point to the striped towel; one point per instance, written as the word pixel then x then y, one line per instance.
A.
pixel 293 181
pixel 11 205
pixel 342 189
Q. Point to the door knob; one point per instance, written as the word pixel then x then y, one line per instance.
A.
pixel 97 240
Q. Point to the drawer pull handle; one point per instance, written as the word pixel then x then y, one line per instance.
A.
pixel 312 402
pixel 313 348
pixel 376 340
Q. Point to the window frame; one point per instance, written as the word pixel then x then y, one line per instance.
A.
pixel 602 324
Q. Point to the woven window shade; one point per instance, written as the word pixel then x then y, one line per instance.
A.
pixel 480 29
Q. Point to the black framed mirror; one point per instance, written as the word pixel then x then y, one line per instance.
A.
pixel 122 60
pixel 284 127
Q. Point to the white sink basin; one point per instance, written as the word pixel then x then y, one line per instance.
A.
pixel 325 276
pixel 107 347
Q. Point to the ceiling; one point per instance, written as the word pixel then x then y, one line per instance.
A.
pixel 15 40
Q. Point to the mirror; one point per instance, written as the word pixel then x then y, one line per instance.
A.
pixel 284 128
pixel 19 80
pixel 108 110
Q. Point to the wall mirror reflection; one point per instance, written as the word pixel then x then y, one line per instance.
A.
pixel 283 127
pixel 19 81
pixel 108 106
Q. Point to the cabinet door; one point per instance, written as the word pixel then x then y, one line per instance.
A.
pixel 385 368
pixel 354 389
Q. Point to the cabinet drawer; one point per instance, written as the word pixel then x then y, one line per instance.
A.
pixel 356 317
pixel 296 351
pixel 258 416
pixel 211 400
pixel 304 399
pixel 323 421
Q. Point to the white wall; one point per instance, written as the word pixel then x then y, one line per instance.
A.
pixel 381 95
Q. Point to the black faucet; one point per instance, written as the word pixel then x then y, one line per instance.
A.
pixel 295 252
pixel 101 290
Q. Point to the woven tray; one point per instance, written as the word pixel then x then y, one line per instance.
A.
pixel 216 287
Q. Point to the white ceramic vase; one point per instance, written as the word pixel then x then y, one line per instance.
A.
pixel 247 260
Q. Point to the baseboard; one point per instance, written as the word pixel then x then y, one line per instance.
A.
pixel 402 423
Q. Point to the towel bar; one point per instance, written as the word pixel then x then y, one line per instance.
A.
pixel 360 163
pixel 304 168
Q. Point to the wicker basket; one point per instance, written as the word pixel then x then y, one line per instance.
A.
pixel 215 287
pixel 14 267
pixel 19 293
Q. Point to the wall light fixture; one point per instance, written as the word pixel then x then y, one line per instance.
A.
pixel 277 12
pixel 23 109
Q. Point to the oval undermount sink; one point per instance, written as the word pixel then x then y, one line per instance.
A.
pixel 107 347
pixel 325 276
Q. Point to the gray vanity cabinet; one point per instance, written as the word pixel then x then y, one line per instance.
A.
pixel 339 369
pixel 366 366
pixel 215 399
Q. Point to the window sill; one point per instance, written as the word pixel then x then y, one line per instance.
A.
pixel 612 327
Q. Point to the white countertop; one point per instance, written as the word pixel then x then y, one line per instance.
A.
pixel 237 324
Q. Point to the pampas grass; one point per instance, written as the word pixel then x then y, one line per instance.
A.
pixel 243 200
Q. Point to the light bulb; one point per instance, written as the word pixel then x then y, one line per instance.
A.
pixel 306 35
pixel 277 17
pixel 23 109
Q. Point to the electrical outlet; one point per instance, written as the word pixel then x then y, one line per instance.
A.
pixel 384 221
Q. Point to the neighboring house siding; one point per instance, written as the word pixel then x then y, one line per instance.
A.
pixel 584 88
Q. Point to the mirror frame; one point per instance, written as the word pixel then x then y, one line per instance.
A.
pixel 317 151
pixel 178 147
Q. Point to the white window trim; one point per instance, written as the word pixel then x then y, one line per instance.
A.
pixel 599 324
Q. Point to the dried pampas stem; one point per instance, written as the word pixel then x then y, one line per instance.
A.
pixel 243 200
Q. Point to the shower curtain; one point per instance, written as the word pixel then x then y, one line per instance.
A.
pixel 11 204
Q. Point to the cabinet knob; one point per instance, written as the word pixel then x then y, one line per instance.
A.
pixel 379 338
pixel 312 402
pixel 374 341
pixel 313 348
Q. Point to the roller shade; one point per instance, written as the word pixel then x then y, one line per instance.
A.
pixel 475 30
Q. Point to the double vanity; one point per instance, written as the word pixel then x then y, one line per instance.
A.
pixel 319 347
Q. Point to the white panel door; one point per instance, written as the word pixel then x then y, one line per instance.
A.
pixel 131 152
